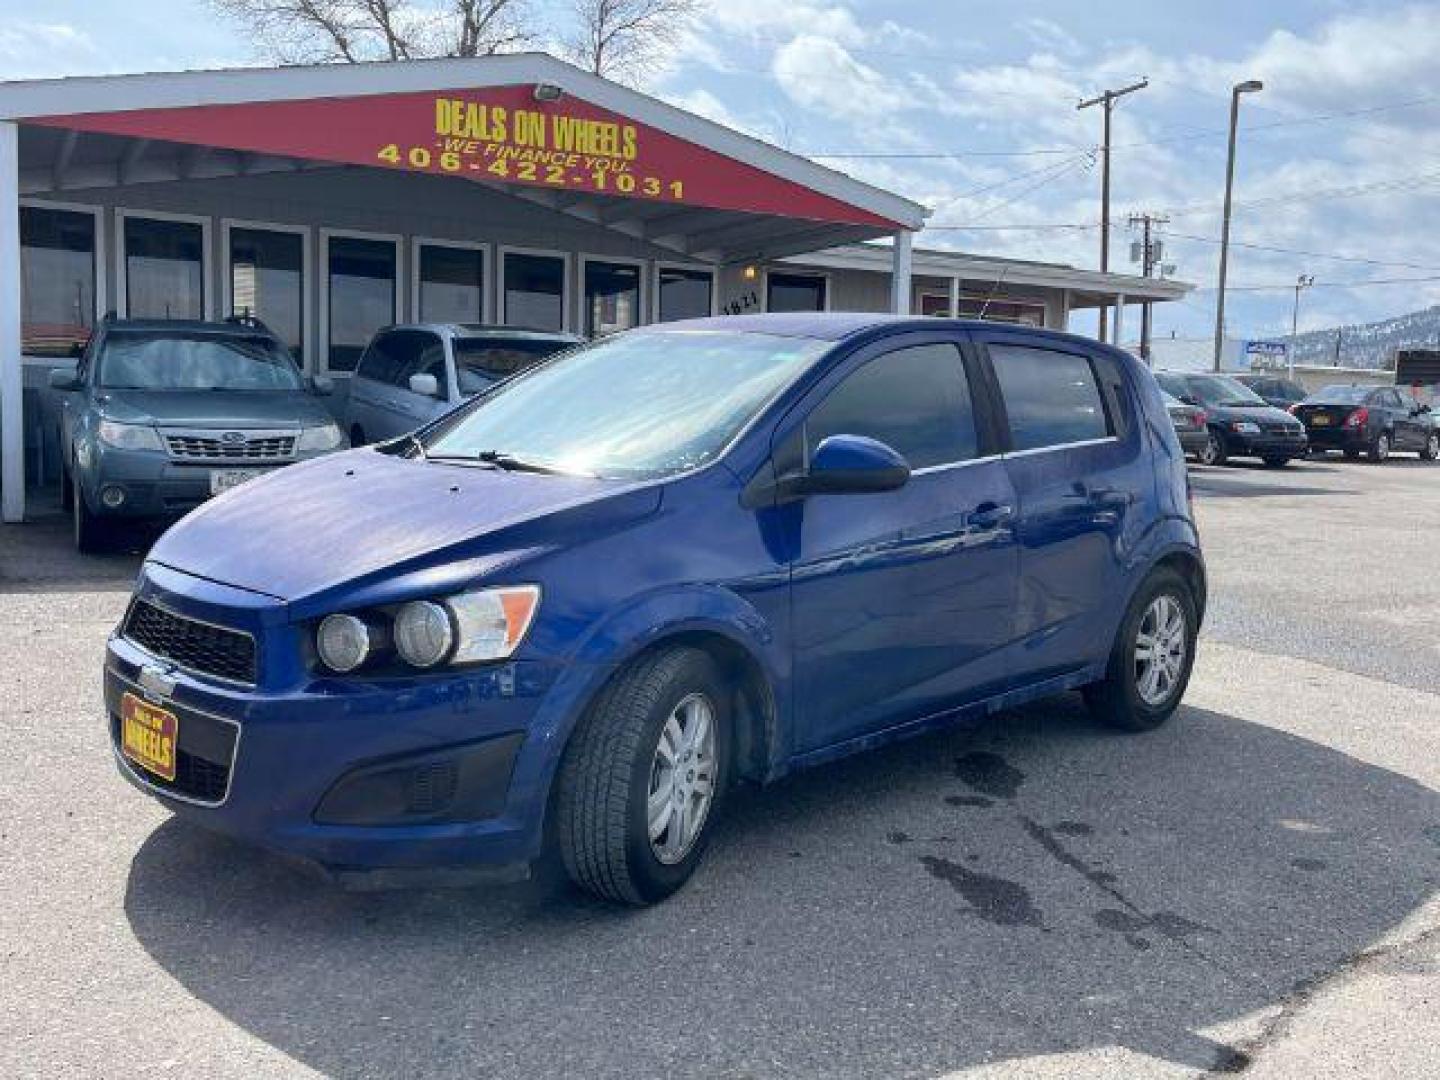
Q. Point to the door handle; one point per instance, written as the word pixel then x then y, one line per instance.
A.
pixel 988 516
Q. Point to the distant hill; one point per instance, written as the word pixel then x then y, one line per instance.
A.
pixel 1370 345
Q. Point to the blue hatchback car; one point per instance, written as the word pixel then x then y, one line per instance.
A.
pixel 575 610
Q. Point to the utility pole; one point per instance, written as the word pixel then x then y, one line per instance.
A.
pixel 1250 86
pixel 1151 252
pixel 1304 281
pixel 1107 99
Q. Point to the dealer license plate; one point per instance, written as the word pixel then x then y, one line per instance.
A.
pixel 1320 420
pixel 225 479
pixel 148 735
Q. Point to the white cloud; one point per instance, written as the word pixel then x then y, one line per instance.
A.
pixel 30 49
pixel 1049 35
pixel 818 73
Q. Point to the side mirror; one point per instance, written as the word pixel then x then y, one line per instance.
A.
pixel 64 379
pixel 322 384
pixel 854 464
pixel 425 384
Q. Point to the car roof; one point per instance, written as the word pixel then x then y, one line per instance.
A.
pixel 489 330
pixel 189 326
pixel 840 325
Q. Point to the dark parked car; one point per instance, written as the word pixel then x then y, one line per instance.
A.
pixel 1239 421
pixel 1190 426
pixel 409 375
pixel 1277 391
pixel 582 605
pixel 1373 420
pixel 161 414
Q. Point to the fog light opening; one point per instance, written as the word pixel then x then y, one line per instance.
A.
pixel 112 497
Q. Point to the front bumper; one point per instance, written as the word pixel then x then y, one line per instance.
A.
pixel 355 776
pixel 156 485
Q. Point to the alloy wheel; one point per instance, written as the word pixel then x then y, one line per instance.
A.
pixel 682 779
pixel 1382 447
pixel 1210 453
pixel 1160 650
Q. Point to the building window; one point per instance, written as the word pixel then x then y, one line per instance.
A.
pixel 267 280
pixel 534 291
pixel 451 284
pixel 360 283
pixel 685 293
pixel 1002 309
pixel 612 297
pixel 795 292
pixel 164 268
pixel 935 305
pixel 57 279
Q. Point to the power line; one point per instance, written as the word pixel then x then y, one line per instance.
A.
pixel 1306 254
pixel 1328 284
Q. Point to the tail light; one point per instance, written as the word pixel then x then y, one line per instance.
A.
pixel 1358 417
pixel 1201 417
pixel 1294 410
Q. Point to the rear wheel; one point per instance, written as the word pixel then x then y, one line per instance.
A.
pixel 1380 448
pixel 1431 450
pixel 1213 452
pixel 642 779
pixel 1277 461
pixel 1151 659
pixel 1351 455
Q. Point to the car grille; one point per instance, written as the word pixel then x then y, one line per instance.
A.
pixel 193 645
pixel 198 773
pixel 239 446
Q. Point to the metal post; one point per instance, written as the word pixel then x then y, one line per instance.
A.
pixel 1240 88
pixel 1301 282
pixel 12 419
pixel 954 298
pixel 1107 99
pixel 900 273
pixel 1119 319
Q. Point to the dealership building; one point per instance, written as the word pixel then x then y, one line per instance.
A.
pixel 332 200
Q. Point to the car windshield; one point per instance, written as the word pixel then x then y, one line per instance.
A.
pixel 175 360
pixel 1340 395
pixel 481 362
pixel 639 405
pixel 1219 390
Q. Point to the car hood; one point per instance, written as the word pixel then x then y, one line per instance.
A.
pixel 305 530
pixel 215 408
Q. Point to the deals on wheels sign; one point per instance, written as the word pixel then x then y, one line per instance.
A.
pixel 499 135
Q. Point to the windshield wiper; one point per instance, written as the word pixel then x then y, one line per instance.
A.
pixel 495 459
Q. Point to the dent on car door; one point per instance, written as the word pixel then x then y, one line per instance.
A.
pixel 901 600
pixel 1078 468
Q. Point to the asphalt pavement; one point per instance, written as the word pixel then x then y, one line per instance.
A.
pixel 1255 888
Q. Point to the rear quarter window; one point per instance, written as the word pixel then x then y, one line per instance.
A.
pixel 1051 398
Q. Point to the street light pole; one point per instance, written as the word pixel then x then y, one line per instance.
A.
pixel 1304 281
pixel 1107 99
pixel 1250 86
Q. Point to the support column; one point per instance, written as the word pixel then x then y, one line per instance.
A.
pixel 12 417
pixel 1064 310
pixel 900 273
pixel 1119 327
pixel 954 298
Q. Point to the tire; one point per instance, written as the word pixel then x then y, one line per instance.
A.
pixel 1380 448
pixel 93 534
pixel 603 799
pixel 1119 700
pixel 357 435
pixel 1213 452
pixel 1276 461
pixel 1352 455
pixel 1431 450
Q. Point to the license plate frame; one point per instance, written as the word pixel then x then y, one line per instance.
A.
pixel 149 735
pixel 222 480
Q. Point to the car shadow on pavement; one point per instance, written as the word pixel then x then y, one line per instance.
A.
pixel 1029 885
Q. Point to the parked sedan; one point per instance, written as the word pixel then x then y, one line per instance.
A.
pixel 161 414
pixel 1239 422
pixel 409 375
pixel 1282 393
pixel 1189 421
pixel 1373 420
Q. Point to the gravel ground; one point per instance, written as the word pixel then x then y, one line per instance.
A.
pixel 1256 887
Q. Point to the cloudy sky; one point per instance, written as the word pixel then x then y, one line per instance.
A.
pixel 970 108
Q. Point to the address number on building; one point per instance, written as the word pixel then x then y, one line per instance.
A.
pixel 604 178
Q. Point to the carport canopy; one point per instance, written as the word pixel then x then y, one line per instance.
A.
pixel 525 125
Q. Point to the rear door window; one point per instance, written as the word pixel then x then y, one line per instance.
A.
pixel 1051 398
pixel 915 399
pixel 384 358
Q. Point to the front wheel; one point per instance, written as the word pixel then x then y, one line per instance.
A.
pixel 1277 461
pixel 1213 452
pixel 1432 447
pixel 643 776
pixel 1380 448
pixel 1151 659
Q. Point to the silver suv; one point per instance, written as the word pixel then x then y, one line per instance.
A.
pixel 161 414
pixel 411 374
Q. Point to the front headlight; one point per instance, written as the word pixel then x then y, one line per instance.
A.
pixel 129 436
pixel 491 623
pixel 423 633
pixel 1245 427
pixel 325 437
pixel 343 642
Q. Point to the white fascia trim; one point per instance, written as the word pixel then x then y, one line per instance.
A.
pixel 207 256
pixel 307 277
pixel 121 93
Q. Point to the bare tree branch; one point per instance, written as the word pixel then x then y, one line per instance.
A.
pixel 626 40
